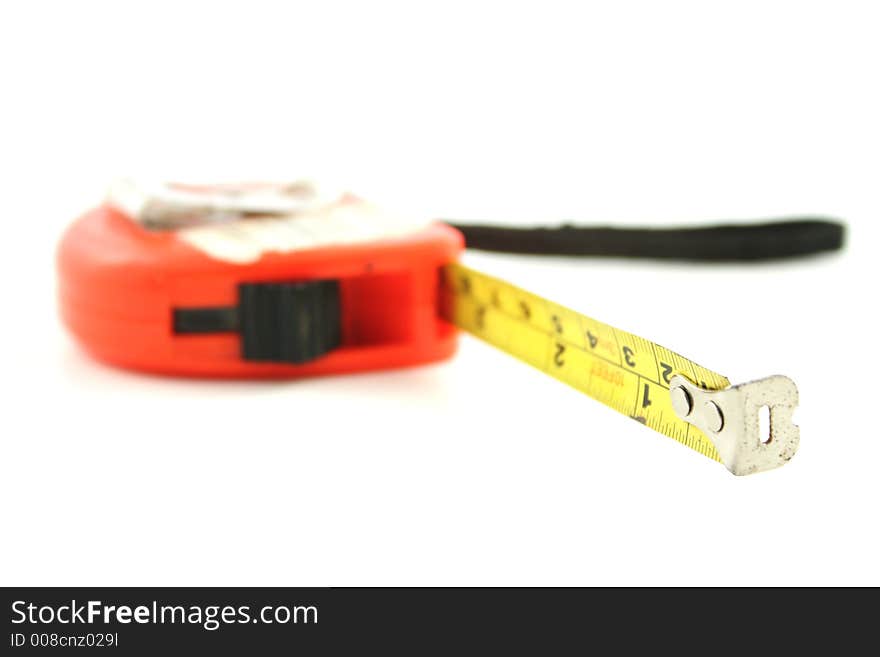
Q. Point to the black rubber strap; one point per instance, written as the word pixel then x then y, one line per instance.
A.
pixel 728 242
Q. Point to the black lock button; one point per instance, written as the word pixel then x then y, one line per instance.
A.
pixel 278 322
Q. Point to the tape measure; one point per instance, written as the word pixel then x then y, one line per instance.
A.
pixel 636 377
pixel 280 281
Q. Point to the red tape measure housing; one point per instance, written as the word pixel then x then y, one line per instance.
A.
pixel 120 286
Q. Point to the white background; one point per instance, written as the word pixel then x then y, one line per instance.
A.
pixel 479 470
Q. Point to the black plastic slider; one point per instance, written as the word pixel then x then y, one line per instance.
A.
pixel 288 322
pixel 281 322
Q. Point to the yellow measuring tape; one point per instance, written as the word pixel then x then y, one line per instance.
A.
pixel 632 375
